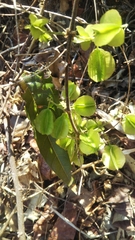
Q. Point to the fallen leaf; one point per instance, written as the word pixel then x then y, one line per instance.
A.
pixel 62 230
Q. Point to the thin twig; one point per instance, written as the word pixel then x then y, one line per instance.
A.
pixel 69 41
pixel 19 202
pixel 95 9
pixel 2 230
pixel 66 220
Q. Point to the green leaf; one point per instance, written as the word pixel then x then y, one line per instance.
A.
pixel 118 39
pixel 106 38
pixel 85 36
pixel 64 142
pixel 101 65
pixel 78 160
pixel 37 22
pixel 37 28
pixel 82 31
pixel 44 122
pixel 32 18
pixel 113 158
pixel 45 37
pixel 35 32
pixel 105 27
pixel 85 106
pixel 30 105
pixel 56 157
pixel 73 91
pixel 40 22
pixel 89 142
pixel 85 45
pixel 109 30
pixel 111 16
pixel 61 126
pixel 128 124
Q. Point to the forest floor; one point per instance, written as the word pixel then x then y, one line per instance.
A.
pixel 101 203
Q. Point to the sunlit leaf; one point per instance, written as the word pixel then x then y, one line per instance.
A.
pixel 89 142
pixel 40 22
pixel 101 65
pixel 85 36
pixel 82 31
pixel 45 37
pixel 105 27
pixel 78 160
pixel 44 122
pixel 35 32
pixel 85 45
pixel 32 18
pixel 37 28
pixel 91 124
pixel 113 158
pixel 85 106
pixel 61 126
pixel 111 16
pixel 109 30
pixel 128 124
pixel 118 40
pixel 73 91
pixel 106 38
pixel 64 142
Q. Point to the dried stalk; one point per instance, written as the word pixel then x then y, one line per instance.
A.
pixel 19 202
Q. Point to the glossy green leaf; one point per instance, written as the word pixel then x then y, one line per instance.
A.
pixel 85 45
pixel 64 142
pixel 105 27
pixel 106 38
pixel 76 118
pixel 35 32
pixel 37 22
pixel 37 28
pixel 109 30
pixel 44 122
pixel 91 124
pixel 61 126
pixel 45 37
pixel 85 106
pixel 128 124
pixel 85 36
pixel 40 22
pixel 69 145
pixel 86 33
pixel 78 160
pixel 118 40
pixel 111 16
pixel 82 31
pixel 101 65
pixel 89 142
pixel 32 18
pixel 73 91
pixel 56 157
pixel 71 149
pixel 113 158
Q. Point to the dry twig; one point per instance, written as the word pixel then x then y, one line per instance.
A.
pixel 20 215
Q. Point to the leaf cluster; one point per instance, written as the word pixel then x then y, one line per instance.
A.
pixel 59 143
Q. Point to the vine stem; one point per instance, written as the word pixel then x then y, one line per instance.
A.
pixel 70 33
